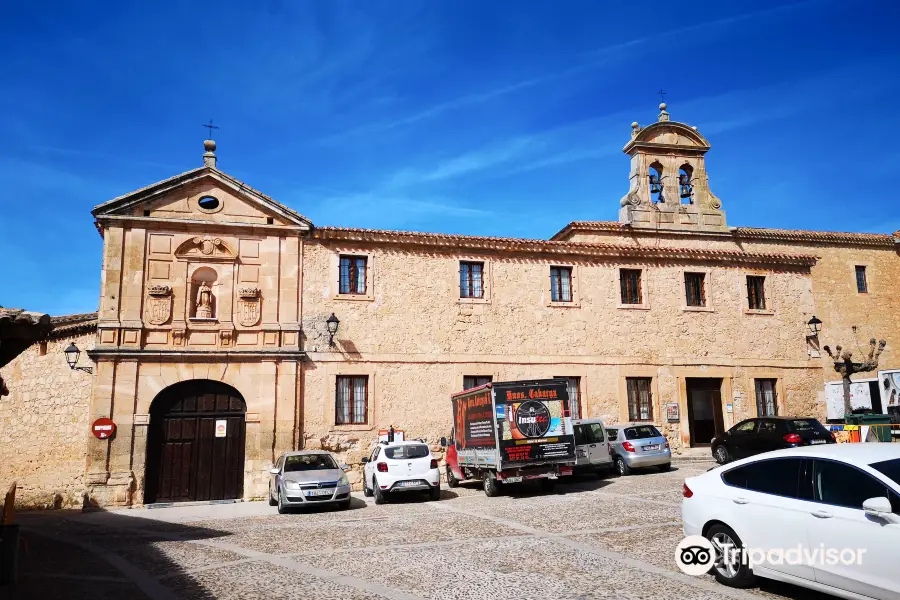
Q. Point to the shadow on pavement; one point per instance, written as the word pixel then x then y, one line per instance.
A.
pixel 107 555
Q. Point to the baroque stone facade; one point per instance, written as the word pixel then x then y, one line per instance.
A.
pixel 206 279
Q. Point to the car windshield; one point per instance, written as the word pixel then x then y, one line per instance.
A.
pixel 889 468
pixel 801 425
pixel 403 452
pixel 642 432
pixel 308 462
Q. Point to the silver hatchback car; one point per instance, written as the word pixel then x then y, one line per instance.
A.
pixel 308 477
pixel 638 445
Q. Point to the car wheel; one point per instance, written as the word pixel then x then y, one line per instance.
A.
pixel 345 505
pixel 721 455
pixel 622 467
pixel 548 485
pixel 434 493
pixel 665 467
pixel 272 501
pixel 491 485
pixel 452 481
pixel 367 492
pixel 730 571
pixel 282 509
pixel 380 497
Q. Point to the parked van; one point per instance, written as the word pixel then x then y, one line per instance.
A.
pixel 591 447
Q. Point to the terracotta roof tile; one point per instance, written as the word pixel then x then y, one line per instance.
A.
pixel 449 240
pixel 760 233
pixel 64 325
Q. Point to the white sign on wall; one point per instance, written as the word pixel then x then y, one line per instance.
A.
pixel 889 388
pixel 221 427
pixel 834 397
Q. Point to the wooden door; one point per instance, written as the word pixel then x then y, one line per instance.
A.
pixel 704 400
pixel 196 444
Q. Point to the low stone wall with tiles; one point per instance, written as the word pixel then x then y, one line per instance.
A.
pixel 44 425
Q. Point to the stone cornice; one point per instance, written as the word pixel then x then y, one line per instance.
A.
pixel 101 353
pixel 551 248
pixel 193 225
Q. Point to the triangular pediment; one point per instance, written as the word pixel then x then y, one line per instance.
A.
pixel 203 194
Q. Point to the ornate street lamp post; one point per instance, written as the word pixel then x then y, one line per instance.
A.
pixel 844 365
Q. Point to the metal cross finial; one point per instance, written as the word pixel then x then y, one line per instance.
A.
pixel 662 96
pixel 210 126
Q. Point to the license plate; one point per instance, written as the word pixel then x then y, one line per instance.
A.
pixel 651 447
pixel 512 480
pixel 407 483
pixel 319 493
pixel 817 441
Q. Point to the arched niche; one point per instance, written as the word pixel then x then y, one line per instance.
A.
pixel 204 293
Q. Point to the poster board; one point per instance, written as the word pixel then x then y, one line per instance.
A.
pixel 889 388
pixel 834 397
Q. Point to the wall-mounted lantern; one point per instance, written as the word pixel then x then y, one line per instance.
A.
pixel 332 322
pixel 815 325
pixel 72 354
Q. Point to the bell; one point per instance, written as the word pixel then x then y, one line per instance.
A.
pixel 655 188
pixel 685 191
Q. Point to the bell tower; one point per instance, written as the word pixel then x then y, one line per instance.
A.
pixel 669 188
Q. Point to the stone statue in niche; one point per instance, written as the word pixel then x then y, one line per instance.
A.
pixel 204 301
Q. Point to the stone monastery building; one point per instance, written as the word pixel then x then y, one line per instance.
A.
pixel 216 302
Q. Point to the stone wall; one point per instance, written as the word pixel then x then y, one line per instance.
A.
pixel 416 340
pixel 44 424
pixel 836 300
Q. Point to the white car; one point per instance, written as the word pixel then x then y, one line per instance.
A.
pixel 401 467
pixel 817 500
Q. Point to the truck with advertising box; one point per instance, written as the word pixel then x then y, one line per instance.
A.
pixel 509 432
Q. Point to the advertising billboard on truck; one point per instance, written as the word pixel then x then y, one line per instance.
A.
pixel 524 421
pixel 531 421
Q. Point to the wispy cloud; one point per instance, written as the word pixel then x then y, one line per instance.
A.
pixel 593 59
pixel 383 210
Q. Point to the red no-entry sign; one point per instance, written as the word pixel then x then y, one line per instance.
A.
pixel 103 428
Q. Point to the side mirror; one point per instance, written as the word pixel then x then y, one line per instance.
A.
pixel 878 507
pixel 443 442
pixel 365 460
pixel 274 471
pixel 345 467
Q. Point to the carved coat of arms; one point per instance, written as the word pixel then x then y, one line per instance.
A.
pixel 248 306
pixel 159 304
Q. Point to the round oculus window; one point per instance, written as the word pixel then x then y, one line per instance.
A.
pixel 208 203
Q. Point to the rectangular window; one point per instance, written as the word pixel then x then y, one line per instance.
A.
pixel 351 401
pixel 630 282
pixel 573 386
pixel 861 285
pixel 766 402
pixel 353 275
pixel 756 292
pixel 473 381
pixel 695 289
pixel 471 283
pixel 640 400
pixel 561 284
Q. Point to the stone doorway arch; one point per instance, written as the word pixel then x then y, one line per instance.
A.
pixel 195 443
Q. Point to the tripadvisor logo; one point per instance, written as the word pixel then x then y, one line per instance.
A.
pixel 533 419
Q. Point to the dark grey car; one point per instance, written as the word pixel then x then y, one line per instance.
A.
pixel 308 477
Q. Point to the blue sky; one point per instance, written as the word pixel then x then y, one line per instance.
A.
pixel 496 118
